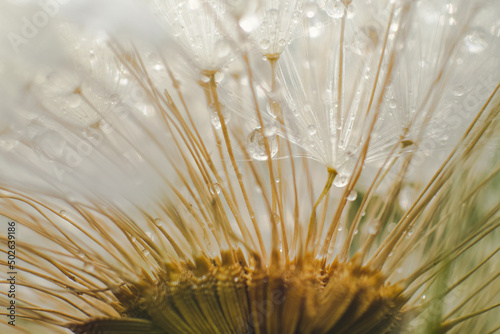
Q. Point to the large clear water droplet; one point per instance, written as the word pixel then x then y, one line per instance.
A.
pixel 272 15
pixel 256 147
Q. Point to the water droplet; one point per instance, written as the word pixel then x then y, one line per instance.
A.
pixel 392 104
pixel 219 76
pixel 114 98
pixel 423 297
pixel 62 213
pixel 340 228
pixel 158 222
pixel 277 180
pixel 214 115
pixel 272 14
pixel 311 129
pixel 265 44
pixel 150 235
pixel 273 108
pixel 340 181
pixel 475 41
pixel 373 227
pixel 459 91
pixel 223 48
pixel 256 147
pixel 215 189
pixel 334 8
pixel 352 195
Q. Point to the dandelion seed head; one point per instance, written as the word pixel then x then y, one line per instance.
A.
pixel 277 167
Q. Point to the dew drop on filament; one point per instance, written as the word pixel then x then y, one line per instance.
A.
pixel 352 195
pixel 256 147
pixel 311 129
pixel 214 116
pixel 340 181
pixel 334 8
pixel 475 41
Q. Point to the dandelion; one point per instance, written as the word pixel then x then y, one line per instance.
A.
pixel 249 167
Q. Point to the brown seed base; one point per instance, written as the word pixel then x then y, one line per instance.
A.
pixel 311 298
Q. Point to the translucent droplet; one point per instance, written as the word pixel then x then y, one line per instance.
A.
pixel 223 48
pixel 373 227
pixel 158 222
pixel 352 195
pixel 256 147
pixel 476 40
pixel 334 8
pixel 272 108
pixel 219 76
pixel 150 235
pixel 214 115
pixel 215 189
pixel 459 91
pixel 340 181
pixel 264 44
pixel 311 129
pixel 392 104
pixel 339 228
pixel 62 213
pixel 114 99
pixel 272 14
